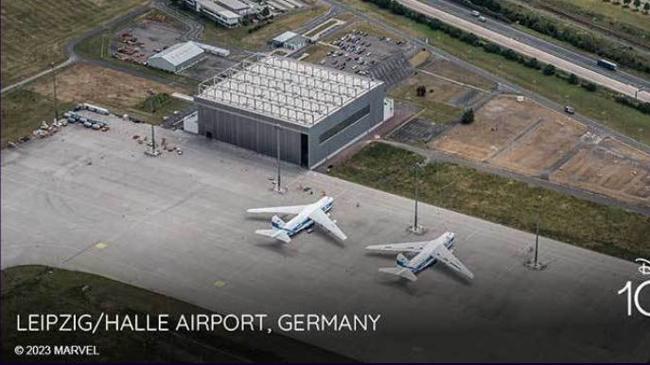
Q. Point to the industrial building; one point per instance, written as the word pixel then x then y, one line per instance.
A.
pixel 289 40
pixel 177 57
pixel 311 112
pixel 238 7
pixel 228 13
pixel 218 13
pixel 183 55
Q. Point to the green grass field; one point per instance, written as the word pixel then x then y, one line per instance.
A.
pixel 599 105
pixel 42 290
pixel 23 111
pixel 597 227
pixel 35 32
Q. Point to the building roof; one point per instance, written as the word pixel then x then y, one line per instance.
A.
pixel 218 9
pixel 179 53
pixel 286 89
pixel 235 5
pixel 284 37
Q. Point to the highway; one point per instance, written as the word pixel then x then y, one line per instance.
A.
pixel 526 44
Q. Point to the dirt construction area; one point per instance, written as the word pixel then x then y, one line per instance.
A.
pixel 609 168
pixel 546 143
pixel 497 124
pixel 524 137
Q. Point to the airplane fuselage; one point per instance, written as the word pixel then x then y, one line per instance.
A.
pixel 302 221
pixel 425 258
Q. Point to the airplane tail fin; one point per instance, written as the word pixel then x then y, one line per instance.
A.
pixel 399 271
pixel 278 234
pixel 402 260
pixel 277 222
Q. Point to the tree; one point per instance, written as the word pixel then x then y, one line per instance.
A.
pixel 590 86
pixel 573 79
pixel 637 4
pixel 626 3
pixel 549 70
pixel 533 63
pixel 646 7
pixel 468 116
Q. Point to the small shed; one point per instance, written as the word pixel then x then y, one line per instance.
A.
pixel 290 40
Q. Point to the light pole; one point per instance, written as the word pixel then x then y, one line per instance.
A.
pixel 56 107
pixel 534 263
pixel 416 227
pixel 154 152
pixel 278 185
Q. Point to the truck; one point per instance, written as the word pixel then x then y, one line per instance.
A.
pixel 607 64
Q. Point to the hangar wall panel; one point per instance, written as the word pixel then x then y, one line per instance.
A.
pixel 318 151
pixel 249 132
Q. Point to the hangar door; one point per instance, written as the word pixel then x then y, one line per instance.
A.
pixel 252 134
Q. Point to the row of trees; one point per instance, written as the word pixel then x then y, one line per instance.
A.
pixel 587 41
pixel 637 5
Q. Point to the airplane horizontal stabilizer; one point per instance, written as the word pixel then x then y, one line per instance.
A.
pixel 400 271
pixel 278 234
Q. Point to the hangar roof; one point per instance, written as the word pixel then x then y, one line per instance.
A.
pixel 286 89
pixel 284 37
pixel 235 5
pixel 218 9
pixel 179 53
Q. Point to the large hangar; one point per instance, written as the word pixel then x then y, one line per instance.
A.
pixel 313 111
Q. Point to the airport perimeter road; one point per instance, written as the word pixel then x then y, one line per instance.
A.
pixel 177 225
pixel 532 48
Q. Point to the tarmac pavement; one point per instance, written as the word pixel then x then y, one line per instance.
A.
pixel 176 224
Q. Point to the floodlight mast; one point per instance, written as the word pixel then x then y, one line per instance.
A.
pixel 534 263
pixel 537 242
pixel 278 185
pixel 416 227
pixel 56 107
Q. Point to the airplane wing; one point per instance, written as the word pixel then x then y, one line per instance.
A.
pixel 322 219
pixel 278 234
pixel 294 209
pixel 445 256
pixel 399 247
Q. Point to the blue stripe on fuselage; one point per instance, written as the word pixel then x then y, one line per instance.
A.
pixel 308 223
pixel 426 263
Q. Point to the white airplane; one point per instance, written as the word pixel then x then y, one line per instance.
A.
pixel 427 254
pixel 306 217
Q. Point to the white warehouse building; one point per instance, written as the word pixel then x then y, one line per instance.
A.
pixel 222 12
pixel 177 57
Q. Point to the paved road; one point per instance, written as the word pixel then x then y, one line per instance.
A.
pixel 176 225
pixel 579 58
pixel 528 49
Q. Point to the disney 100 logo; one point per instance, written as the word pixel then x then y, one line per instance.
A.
pixel 633 294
